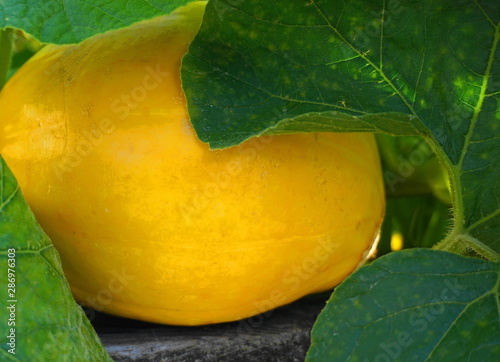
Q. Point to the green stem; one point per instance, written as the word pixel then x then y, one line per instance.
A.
pixel 458 239
pixel 460 243
pixel 5 53
pixel 455 185
pixel 451 243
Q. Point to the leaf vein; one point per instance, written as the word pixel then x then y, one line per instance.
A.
pixel 8 199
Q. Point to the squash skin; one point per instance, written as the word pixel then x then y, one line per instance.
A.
pixel 151 224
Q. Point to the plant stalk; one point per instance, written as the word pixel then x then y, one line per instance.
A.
pixel 459 244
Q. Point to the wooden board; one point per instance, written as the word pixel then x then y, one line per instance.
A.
pixel 279 335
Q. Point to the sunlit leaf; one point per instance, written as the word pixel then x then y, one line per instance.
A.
pixel 40 319
pixel 61 22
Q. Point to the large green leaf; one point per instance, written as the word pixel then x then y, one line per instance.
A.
pixel 428 68
pixel 414 305
pixel 48 324
pixel 62 22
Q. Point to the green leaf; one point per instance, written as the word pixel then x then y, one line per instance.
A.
pixel 63 22
pixel 413 305
pixel 48 324
pixel 5 54
pixel 428 68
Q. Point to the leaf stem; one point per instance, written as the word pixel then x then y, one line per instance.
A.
pixel 459 239
pixel 455 184
pixel 461 243
pixel 6 36
pixel 452 244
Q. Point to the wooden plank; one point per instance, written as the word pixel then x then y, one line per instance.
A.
pixel 278 335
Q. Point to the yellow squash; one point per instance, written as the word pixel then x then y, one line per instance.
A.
pixel 150 223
